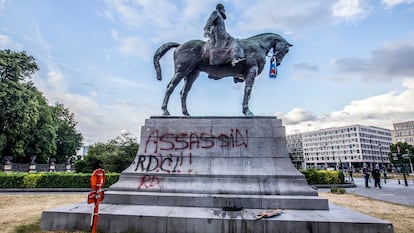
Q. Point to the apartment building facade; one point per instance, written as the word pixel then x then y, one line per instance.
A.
pixel 295 149
pixel 403 132
pixel 343 147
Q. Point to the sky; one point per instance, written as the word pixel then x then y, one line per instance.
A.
pixel 352 61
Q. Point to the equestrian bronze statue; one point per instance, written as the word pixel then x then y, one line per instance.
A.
pixel 192 57
pixel 221 56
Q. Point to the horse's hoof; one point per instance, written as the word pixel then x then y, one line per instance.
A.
pixel 186 114
pixel 249 113
pixel 166 113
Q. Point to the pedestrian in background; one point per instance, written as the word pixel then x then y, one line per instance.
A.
pixel 350 171
pixel 376 174
pixel 365 172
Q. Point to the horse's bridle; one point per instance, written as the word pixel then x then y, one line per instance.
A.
pixel 277 51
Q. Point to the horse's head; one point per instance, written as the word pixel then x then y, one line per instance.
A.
pixel 280 50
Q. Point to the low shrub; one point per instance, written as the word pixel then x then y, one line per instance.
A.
pixel 11 180
pixel 315 176
pixel 337 190
pixel 51 180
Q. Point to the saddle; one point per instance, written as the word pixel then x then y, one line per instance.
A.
pixel 218 56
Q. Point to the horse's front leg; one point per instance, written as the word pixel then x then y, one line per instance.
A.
pixel 251 75
pixel 188 83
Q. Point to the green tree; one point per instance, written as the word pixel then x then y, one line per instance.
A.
pixel 42 135
pixel 127 150
pixel 113 156
pixel 28 125
pixel 405 148
pixel 24 122
pixel 68 139
pixel 16 66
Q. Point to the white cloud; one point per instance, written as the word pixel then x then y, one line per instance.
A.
pixel 283 15
pixel 380 110
pixel 55 79
pixel 143 13
pixel 136 46
pixel 392 3
pixel 350 9
pixel 97 121
pixel 153 22
pixel 7 43
pixel 297 115
pixel 198 9
pixel 3 4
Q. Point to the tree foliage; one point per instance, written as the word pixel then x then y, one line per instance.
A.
pixel 28 125
pixel 15 66
pixel 68 139
pixel 113 156
pixel 405 148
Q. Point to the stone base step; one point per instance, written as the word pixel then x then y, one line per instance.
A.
pixel 163 219
pixel 217 200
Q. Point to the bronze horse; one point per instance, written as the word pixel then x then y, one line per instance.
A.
pixel 192 57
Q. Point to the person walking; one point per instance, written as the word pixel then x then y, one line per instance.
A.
pixel 365 172
pixel 350 171
pixel 376 174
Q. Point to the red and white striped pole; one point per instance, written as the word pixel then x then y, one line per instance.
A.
pixel 97 182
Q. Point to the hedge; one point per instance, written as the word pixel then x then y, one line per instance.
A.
pixel 51 180
pixel 81 180
pixel 314 176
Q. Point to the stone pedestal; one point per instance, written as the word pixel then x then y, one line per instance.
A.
pixel 221 162
pixel 212 174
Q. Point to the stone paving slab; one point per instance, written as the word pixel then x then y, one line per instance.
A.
pixel 392 191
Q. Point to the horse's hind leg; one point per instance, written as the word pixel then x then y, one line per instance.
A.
pixel 188 83
pixel 178 76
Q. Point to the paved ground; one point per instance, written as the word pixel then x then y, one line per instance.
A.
pixel 390 192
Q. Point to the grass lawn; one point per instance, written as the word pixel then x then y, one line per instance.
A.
pixel 21 212
pixel 401 217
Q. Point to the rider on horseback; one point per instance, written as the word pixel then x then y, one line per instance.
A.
pixel 222 46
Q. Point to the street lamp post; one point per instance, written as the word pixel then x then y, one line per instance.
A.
pixel 409 157
pixel 402 164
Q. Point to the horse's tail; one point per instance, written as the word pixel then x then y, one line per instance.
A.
pixel 159 53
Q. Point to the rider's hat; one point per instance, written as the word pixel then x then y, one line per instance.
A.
pixel 219 6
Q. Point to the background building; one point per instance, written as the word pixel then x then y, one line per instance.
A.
pixel 295 149
pixel 82 152
pixel 346 146
pixel 403 132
